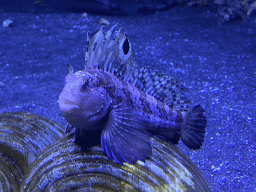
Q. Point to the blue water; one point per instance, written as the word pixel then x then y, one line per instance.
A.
pixel 217 62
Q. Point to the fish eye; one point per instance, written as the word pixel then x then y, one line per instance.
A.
pixel 95 81
pixel 85 85
pixel 126 46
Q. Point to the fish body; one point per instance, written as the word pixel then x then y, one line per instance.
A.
pixel 127 104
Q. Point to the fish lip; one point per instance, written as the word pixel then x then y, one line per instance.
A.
pixel 67 102
pixel 67 106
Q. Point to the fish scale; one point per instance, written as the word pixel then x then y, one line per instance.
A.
pixel 134 96
pixel 125 104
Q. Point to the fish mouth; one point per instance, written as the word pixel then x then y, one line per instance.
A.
pixel 67 106
pixel 73 114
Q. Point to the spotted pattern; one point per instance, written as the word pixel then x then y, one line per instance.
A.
pixel 154 110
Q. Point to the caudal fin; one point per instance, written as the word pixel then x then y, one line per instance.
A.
pixel 193 130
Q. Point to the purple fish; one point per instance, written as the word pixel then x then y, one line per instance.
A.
pixel 125 104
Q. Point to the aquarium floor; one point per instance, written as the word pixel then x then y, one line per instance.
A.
pixel 215 61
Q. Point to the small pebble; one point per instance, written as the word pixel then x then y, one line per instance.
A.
pixel 7 23
pixel 103 21
pixel 84 14
pixel 37 2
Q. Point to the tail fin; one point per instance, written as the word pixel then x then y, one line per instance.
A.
pixel 193 130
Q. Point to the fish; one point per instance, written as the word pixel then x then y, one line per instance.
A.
pixel 125 104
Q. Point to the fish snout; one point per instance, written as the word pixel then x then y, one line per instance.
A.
pixel 73 114
pixel 67 107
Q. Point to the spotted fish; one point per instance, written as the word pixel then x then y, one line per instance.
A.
pixel 126 104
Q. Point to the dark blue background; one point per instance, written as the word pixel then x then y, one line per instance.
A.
pixel 216 61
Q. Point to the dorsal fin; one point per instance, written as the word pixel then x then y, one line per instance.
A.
pixel 164 88
pixel 111 51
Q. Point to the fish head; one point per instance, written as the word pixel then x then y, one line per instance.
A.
pixel 83 102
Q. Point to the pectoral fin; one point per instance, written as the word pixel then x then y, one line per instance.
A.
pixel 125 138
